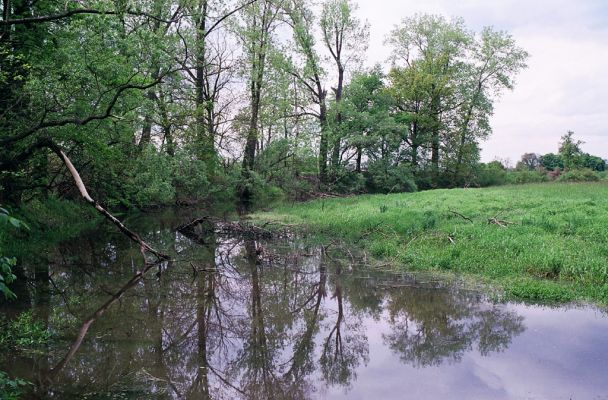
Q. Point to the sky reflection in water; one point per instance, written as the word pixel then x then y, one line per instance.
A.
pixel 284 320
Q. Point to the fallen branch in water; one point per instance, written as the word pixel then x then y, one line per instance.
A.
pixel 197 228
pixel 83 192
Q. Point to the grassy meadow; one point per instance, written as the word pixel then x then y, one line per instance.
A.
pixel 543 242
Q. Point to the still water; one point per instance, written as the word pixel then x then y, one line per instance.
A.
pixel 238 316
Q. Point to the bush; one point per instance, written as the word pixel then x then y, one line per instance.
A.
pixel 382 177
pixel 260 190
pixel 579 175
pixel 11 389
pixel 491 174
pixel 189 178
pixel 22 333
pixel 520 177
pixel 348 181
pixel 7 263
pixel 151 180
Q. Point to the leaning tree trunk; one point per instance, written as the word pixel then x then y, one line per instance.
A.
pixel 144 247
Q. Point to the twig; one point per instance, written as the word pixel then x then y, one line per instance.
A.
pixel 461 216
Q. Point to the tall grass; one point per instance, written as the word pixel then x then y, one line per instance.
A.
pixel 551 244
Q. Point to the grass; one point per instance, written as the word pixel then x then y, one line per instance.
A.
pixel 551 246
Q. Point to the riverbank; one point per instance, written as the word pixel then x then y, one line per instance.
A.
pixel 540 242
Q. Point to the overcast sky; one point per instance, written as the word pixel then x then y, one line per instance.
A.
pixel 565 86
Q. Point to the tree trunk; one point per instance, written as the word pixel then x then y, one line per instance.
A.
pixel 335 156
pixel 85 195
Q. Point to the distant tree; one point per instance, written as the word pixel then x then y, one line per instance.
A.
pixel 551 161
pixel 570 150
pixel 529 161
pixel 496 164
pixel 594 163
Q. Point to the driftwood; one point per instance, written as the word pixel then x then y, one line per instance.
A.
pixel 144 247
pixel 199 227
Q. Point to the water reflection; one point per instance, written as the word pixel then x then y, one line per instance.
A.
pixel 238 317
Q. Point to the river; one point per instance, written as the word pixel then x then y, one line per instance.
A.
pixel 242 316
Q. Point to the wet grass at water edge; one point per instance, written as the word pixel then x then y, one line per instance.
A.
pixel 542 242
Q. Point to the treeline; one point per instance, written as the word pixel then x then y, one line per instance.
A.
pixel 569 164
pixel 164 101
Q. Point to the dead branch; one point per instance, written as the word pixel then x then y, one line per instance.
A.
pixel 83 192
pixel 461 215
pixel 499 222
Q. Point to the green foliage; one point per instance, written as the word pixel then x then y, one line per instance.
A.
pixel 348 181
pixel 385 178
pixel 6 276
pixel 579 175
pixel 491 174
pixel 22 333
pixel 445 79
pixel 12 389
pixel 189 177
pixel 570 151
pixel 552 161
pixel 520 177
pixel 552 249
pixel 262 192
pixel 7 263
pixel 593 163
pixel 151 182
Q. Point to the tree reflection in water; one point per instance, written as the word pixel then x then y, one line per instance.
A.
pixel 237 317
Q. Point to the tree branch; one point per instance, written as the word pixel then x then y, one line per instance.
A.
pixel 79 11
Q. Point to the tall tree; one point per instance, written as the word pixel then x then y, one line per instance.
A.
pixel 256 36
pixel 438 48
pixel 496 60
pixel 311 73
pixel 346 38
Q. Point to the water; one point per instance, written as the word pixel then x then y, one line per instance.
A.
pixel 241 317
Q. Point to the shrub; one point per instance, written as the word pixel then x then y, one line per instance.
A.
pixel 23 333
pixel 519 177
pixel 382 177
pixel 189 177
pixel 7 263
pixel 11 389
pixel 491 174
pixel 579 175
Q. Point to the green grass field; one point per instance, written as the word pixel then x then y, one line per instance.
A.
pixel 550 243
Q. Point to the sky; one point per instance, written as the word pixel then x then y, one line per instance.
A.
pixel 565 86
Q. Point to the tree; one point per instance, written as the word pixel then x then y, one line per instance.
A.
pixel 436 49
pixel 551 161
pixel 345 38
pixel 529 161
pixel 594 163
pixel 570 151
pixel 367 125
pixel 444 80
pixel 310 73
pixel 256 36
pixel 496 60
